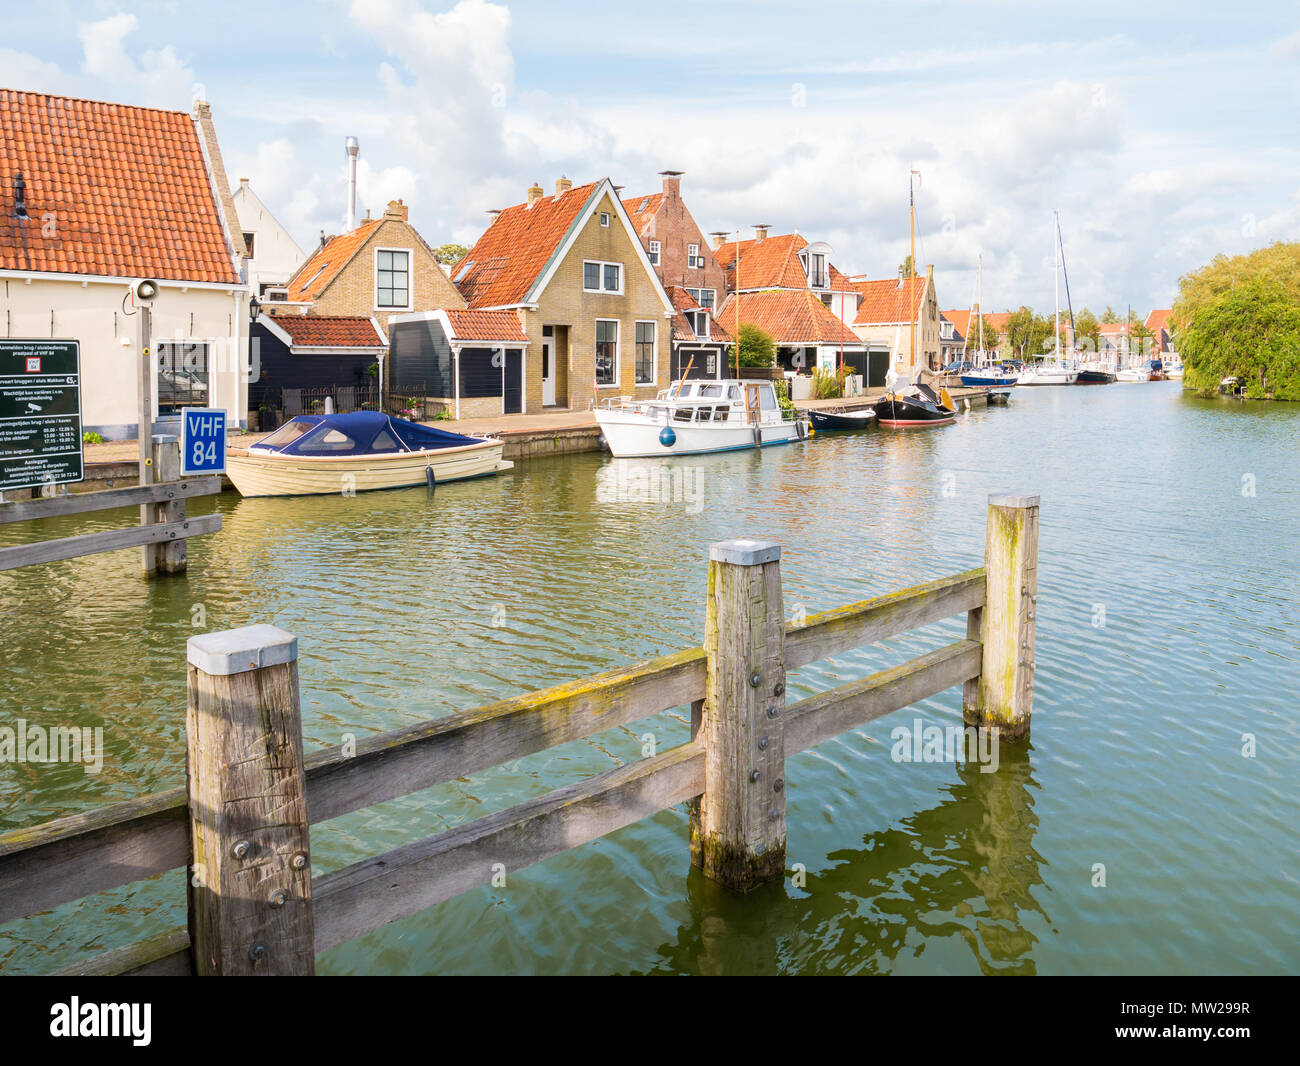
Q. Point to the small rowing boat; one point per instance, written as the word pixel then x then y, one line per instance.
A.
pixel 317 454
pixel 837 420
pixel 915 405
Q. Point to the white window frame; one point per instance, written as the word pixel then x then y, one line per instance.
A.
pixel 653 252
pixel 693 259
pixel 707 335
pixel 410 280
pixel 618 351
pixel 602 264
pixel 654 378
pixel 604 219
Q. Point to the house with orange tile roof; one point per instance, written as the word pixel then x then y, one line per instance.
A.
pixel 95 196
pixel 572 269
pixel 893 311
pixel 381 268
pixel 1157 323
pixel 786 286
pixel 684 261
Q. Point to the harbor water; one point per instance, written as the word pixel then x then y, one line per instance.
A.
pixel 1149 825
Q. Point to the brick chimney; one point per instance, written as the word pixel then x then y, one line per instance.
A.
pixel 396 210
pixel 535 193
pixel 562 185
pixel 719 238
pixel 760 230
pixel 672 183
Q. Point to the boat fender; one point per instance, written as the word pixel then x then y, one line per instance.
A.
pixel 758 437
pixel 668 436
pixel 800 428
pixel 428 476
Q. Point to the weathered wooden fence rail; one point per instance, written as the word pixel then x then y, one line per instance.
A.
pixel 163 527
pixel 241 827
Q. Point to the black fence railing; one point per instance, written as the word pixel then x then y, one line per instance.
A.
pixel 276 404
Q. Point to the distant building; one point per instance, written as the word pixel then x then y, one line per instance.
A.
pixel 1157 323
pixel 272 255
pixel 893 311
pixel 94 196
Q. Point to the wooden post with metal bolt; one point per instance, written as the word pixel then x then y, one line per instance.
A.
pixel 170 557
pixel 250 909
pixel 1003 697
pixel 738 824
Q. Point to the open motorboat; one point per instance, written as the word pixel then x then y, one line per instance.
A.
pixel 915 405
pixel 695 416
pixel 1095 373
pixel 1048 374
pixel 356 452
pixel 855 418
pixel 1174 369
pixel 1133 373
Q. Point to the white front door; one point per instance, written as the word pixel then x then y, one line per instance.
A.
pixel 548 372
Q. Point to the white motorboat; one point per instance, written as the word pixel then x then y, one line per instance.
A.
pixel 1133 373
pixel 1048 374
pixel 695 416
pixel 1174 370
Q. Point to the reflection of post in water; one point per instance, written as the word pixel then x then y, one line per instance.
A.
pixel 966 868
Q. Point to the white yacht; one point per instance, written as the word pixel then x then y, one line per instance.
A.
pixel 1054 372
pixel 696 416
pixel 1048 374
pixel 1133 373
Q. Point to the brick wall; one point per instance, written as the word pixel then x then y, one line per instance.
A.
pixel 352 292
pixel 674 228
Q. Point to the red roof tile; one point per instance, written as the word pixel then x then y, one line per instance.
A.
pixel 486 326
pixel 959 319
pixel 112 190
pixel 507 260
pixel 329 331
pixel 770 263
pixel 324 264
pixel 641 209
pixel 682 330
pixel 887 301
pixel 790 316
pixel 1159 319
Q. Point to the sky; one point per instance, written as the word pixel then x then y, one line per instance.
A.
pixel 1164 133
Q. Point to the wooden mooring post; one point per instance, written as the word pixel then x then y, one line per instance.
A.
pixel 1002 697
pixel 242 824
pixel 250 862
pixel 738 826
pixel 165 557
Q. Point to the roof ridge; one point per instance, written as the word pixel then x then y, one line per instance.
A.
pixel 101 103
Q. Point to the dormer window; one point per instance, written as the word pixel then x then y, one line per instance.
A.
pixel 817 276
pixel 699 323
pixel 654 253
pixel 693 257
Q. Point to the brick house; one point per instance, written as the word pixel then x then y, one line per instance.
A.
pixel 94 196
pixel 786 286
pixel 381 268
pixel 685 263
pixel 891 310
pixel 573 270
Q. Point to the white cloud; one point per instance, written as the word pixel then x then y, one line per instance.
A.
pixel 1287 49
pixel 158 77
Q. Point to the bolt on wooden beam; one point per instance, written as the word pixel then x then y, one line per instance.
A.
pixel 738 825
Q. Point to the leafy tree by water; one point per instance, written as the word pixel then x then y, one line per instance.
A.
pixel 1087 330
pixel 1108 316
pixel 1028 335
pixel 756 347
pixel 1239 316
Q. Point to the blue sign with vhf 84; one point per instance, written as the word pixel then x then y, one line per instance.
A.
pixel 203 441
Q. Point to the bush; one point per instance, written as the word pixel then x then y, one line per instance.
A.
pixel 756 347
pixel 828 384
pixel 1240 317
pixel 91 438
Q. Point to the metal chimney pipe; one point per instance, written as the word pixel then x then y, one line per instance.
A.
pixel 353 149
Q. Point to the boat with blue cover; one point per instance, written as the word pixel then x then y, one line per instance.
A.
pixel 356 452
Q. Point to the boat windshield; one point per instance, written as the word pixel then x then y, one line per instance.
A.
pixel 290 431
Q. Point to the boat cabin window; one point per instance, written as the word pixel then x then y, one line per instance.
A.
pixel 711 390
pixel 767 398
pixel 328 440
pixel 733 393
pixel 384 442
pixel 286 434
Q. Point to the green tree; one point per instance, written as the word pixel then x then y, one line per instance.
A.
pixel 1109 317
pixel 1239 317
pixel 450 254
pixel 756 347
pixel 1087 331
pixel 991 334
pixel 905 267
pixel 1027 336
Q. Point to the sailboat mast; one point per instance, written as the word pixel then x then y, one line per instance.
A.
pixel 1056 279
pixel 979 306
pixel 911 260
